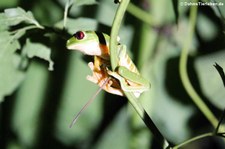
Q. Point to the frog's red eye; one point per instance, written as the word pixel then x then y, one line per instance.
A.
pixel 79 35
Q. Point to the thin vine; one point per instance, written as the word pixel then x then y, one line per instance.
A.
pixel 184 75
pixel 113 57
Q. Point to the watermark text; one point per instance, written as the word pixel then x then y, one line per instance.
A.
pixel 201 4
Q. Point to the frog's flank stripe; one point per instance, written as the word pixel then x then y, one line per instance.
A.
pixel 101 38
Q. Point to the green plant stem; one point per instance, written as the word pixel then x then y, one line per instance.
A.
pixel 115 31
pixel 67 6
pixel 194 139
pixel 184 75
pixel 113 57
pixel 147 120
pixel 25 29
pixel 140 14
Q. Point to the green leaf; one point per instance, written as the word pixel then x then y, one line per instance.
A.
pixel 3 23
pixel 221 72
pixel 26 121
pixel 75 95
pixel 40 51
pixel 10 76
pixel 14 16
pixel 7 4
pixel 119 127
pixel 8 44
pixel 206 28
pixel 210 80
pixel 106 10
pixel 74 25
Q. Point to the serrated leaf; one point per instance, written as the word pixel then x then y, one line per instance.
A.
pixel 14 16
pixel 40 51
pixel 3 23
pixel 10 76
pixel 19 33
pixel 8 44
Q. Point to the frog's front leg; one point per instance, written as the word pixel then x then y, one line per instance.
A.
pixel 100 76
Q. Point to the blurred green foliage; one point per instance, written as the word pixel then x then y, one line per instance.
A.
pixel 37 104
